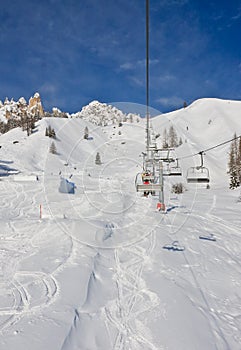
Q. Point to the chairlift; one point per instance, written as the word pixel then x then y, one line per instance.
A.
pixel 198 174
pixel 146 182
pixel 165 155
pixel 175 170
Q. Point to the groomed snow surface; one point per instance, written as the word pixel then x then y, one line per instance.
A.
pixel 91 272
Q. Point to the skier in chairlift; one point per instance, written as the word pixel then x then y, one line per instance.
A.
pixel 146 181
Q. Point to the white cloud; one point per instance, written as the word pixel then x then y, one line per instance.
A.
pixel 172 101
pixel 237 16
pixel 174 2
pixel 49 88
pixel 126 66
pixel 137 81
pixel 139 63
pixel 166 78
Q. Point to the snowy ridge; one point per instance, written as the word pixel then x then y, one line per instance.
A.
pixel 103 114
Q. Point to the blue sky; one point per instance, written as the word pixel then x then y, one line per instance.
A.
pixel 73 52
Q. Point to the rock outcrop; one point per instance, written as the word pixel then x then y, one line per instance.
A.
pixel 35 105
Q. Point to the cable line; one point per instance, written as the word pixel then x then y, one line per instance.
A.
pixel 210 148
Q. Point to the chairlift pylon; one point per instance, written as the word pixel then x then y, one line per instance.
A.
pixel 198 174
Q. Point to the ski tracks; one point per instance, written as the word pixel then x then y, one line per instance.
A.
pixel 30 291
pixel 133 298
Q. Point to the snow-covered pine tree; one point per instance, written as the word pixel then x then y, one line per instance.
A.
pixel 97 159
pixel 239 198
pixel 52 148
pixel 172 137
pixel 165 139
pixel 233 168
pixel 239 159
pixel 86 133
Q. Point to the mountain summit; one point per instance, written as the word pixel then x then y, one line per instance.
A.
pixel 103 114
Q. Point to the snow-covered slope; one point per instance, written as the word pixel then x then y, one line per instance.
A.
pixel 202 125
pixel 88 270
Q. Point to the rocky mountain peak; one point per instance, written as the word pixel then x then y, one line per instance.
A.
pixel 104 114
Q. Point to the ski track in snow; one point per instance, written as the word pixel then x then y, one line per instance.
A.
pixel 133 299
pixel 227 236
pixel 28 291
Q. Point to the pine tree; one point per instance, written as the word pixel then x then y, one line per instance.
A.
pixel 97 159
pixel 234 170
pixel 53 135
pixel 86 133
pixel 172 137
pixel 53 148
pixel 239 159
pixel 165 139
pixel 49 130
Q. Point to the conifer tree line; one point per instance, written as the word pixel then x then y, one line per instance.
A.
pixel 25 121
pixel 170 138
pixel 50 132
pixel 234 164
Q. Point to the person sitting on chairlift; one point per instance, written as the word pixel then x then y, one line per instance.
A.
pixel 146 181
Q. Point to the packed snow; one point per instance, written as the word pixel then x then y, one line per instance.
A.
pixel 100 268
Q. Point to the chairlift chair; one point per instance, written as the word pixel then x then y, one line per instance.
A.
pixel 198 174
pixel 147 183
pixel 164 155
pixel 175 170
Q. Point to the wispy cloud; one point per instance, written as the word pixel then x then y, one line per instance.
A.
pixel 137 81
pixel 137 64
pixel 49 88
pixel 173 2
pixel 166 78
pixel 173 101
pixel 237 16
pixel 126 66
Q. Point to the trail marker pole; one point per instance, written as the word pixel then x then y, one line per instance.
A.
pixel 40 211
